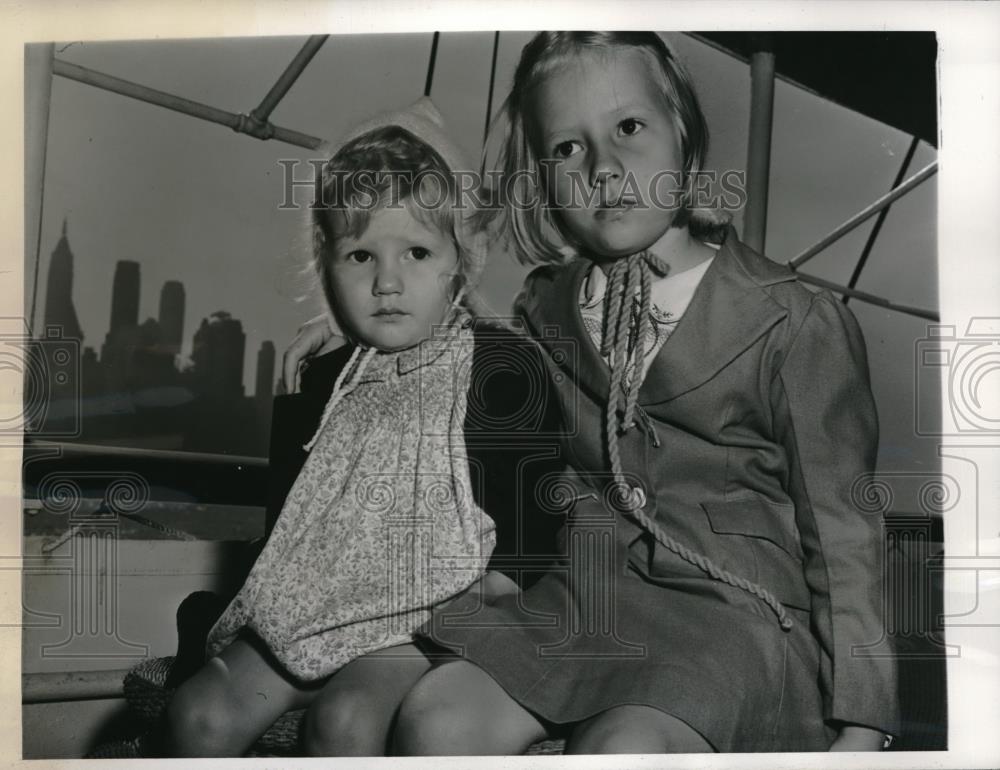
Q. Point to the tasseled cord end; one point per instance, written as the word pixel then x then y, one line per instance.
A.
pixel 346 381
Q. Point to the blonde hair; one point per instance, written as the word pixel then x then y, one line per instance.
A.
pixel 525 219
pixel 388 167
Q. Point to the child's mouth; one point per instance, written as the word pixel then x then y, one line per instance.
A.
pixel 614 210
pixel 389 314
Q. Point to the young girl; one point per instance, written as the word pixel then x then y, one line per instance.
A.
pixel 386 518
pixel 722 587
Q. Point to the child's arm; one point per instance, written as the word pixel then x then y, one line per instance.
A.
pixel 513 436
pixel 828 425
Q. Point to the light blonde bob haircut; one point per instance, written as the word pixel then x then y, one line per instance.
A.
pixel 524 217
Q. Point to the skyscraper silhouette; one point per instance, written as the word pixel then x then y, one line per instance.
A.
pixel 125 296
pixel 122 338
pixel 219 347
pixel 264 390
pixel 59 308
pixel 172 316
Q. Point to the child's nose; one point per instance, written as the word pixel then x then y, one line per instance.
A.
pixel 604 166
pixel 387 281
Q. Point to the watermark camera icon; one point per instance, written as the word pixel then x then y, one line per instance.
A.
pixel 510 379
pixel 970 367
pixel 49 369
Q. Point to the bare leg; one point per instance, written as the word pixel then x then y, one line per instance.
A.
pixel 225 707
pixel 635 730
pixel 459 709
pixel 352 715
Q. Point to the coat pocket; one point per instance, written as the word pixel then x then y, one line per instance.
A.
pixel 770 534
pixel 756 517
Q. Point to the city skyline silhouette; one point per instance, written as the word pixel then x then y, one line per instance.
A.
pixel 139 377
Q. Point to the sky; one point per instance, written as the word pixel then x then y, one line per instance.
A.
pixel 198 203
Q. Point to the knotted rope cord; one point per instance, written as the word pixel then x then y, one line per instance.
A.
pixel 347 378
pixel 624 277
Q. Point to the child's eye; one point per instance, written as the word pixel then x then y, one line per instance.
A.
pixel 629 127
pixel 419 253
pixel 566 149
pixel 358 257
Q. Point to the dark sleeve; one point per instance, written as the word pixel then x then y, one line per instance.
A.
pixel 512 434
pixel 828 425
pixel 294 419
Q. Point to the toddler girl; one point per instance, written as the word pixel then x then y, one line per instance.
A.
pixel 384 521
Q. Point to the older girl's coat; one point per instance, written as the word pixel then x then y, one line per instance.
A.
pixel 756 426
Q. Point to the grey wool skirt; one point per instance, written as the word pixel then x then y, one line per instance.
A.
pixel 595 633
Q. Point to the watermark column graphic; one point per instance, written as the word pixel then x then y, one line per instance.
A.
pixel 911 561
pixel 592 574
pixel 405 508
pixel 88 552
pixel 968 430
pixel 40 397
pixel 409 542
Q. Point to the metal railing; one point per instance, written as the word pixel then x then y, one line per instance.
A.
pixel 61 686
pixel 166 455
pixel 256 124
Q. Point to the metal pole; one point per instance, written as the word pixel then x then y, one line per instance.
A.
pixel 430 65
pixel 37 101
pixel 871 299
pixel 925 173
pixel 489 106
pixel 288 77
pixel 166 455
pixel 877 227
pixel 243 124
pixel 489 94
pixel 72 685
pixel 759 143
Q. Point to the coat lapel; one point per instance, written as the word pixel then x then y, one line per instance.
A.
pixel 557 320
pixel 729 311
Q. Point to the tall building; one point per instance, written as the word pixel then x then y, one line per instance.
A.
pixel 263 398
pixel 122 339
pixel 172 316
pixel 217 354
pixel 125 296
pixel 59 308
pixel 264 390
pixel 152 361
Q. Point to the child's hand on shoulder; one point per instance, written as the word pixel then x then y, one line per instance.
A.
pixel 314 338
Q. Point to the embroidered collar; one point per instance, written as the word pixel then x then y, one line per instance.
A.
pixel 671 295
pixel 443 338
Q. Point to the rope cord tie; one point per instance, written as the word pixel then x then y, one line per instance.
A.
pixel 626 278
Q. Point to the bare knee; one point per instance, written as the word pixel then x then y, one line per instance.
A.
pixel 636 730
pixel 201 723
pixel 345 724
pixel 430 724
pixel 459 709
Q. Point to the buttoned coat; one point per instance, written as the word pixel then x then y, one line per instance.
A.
pixel 756 424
